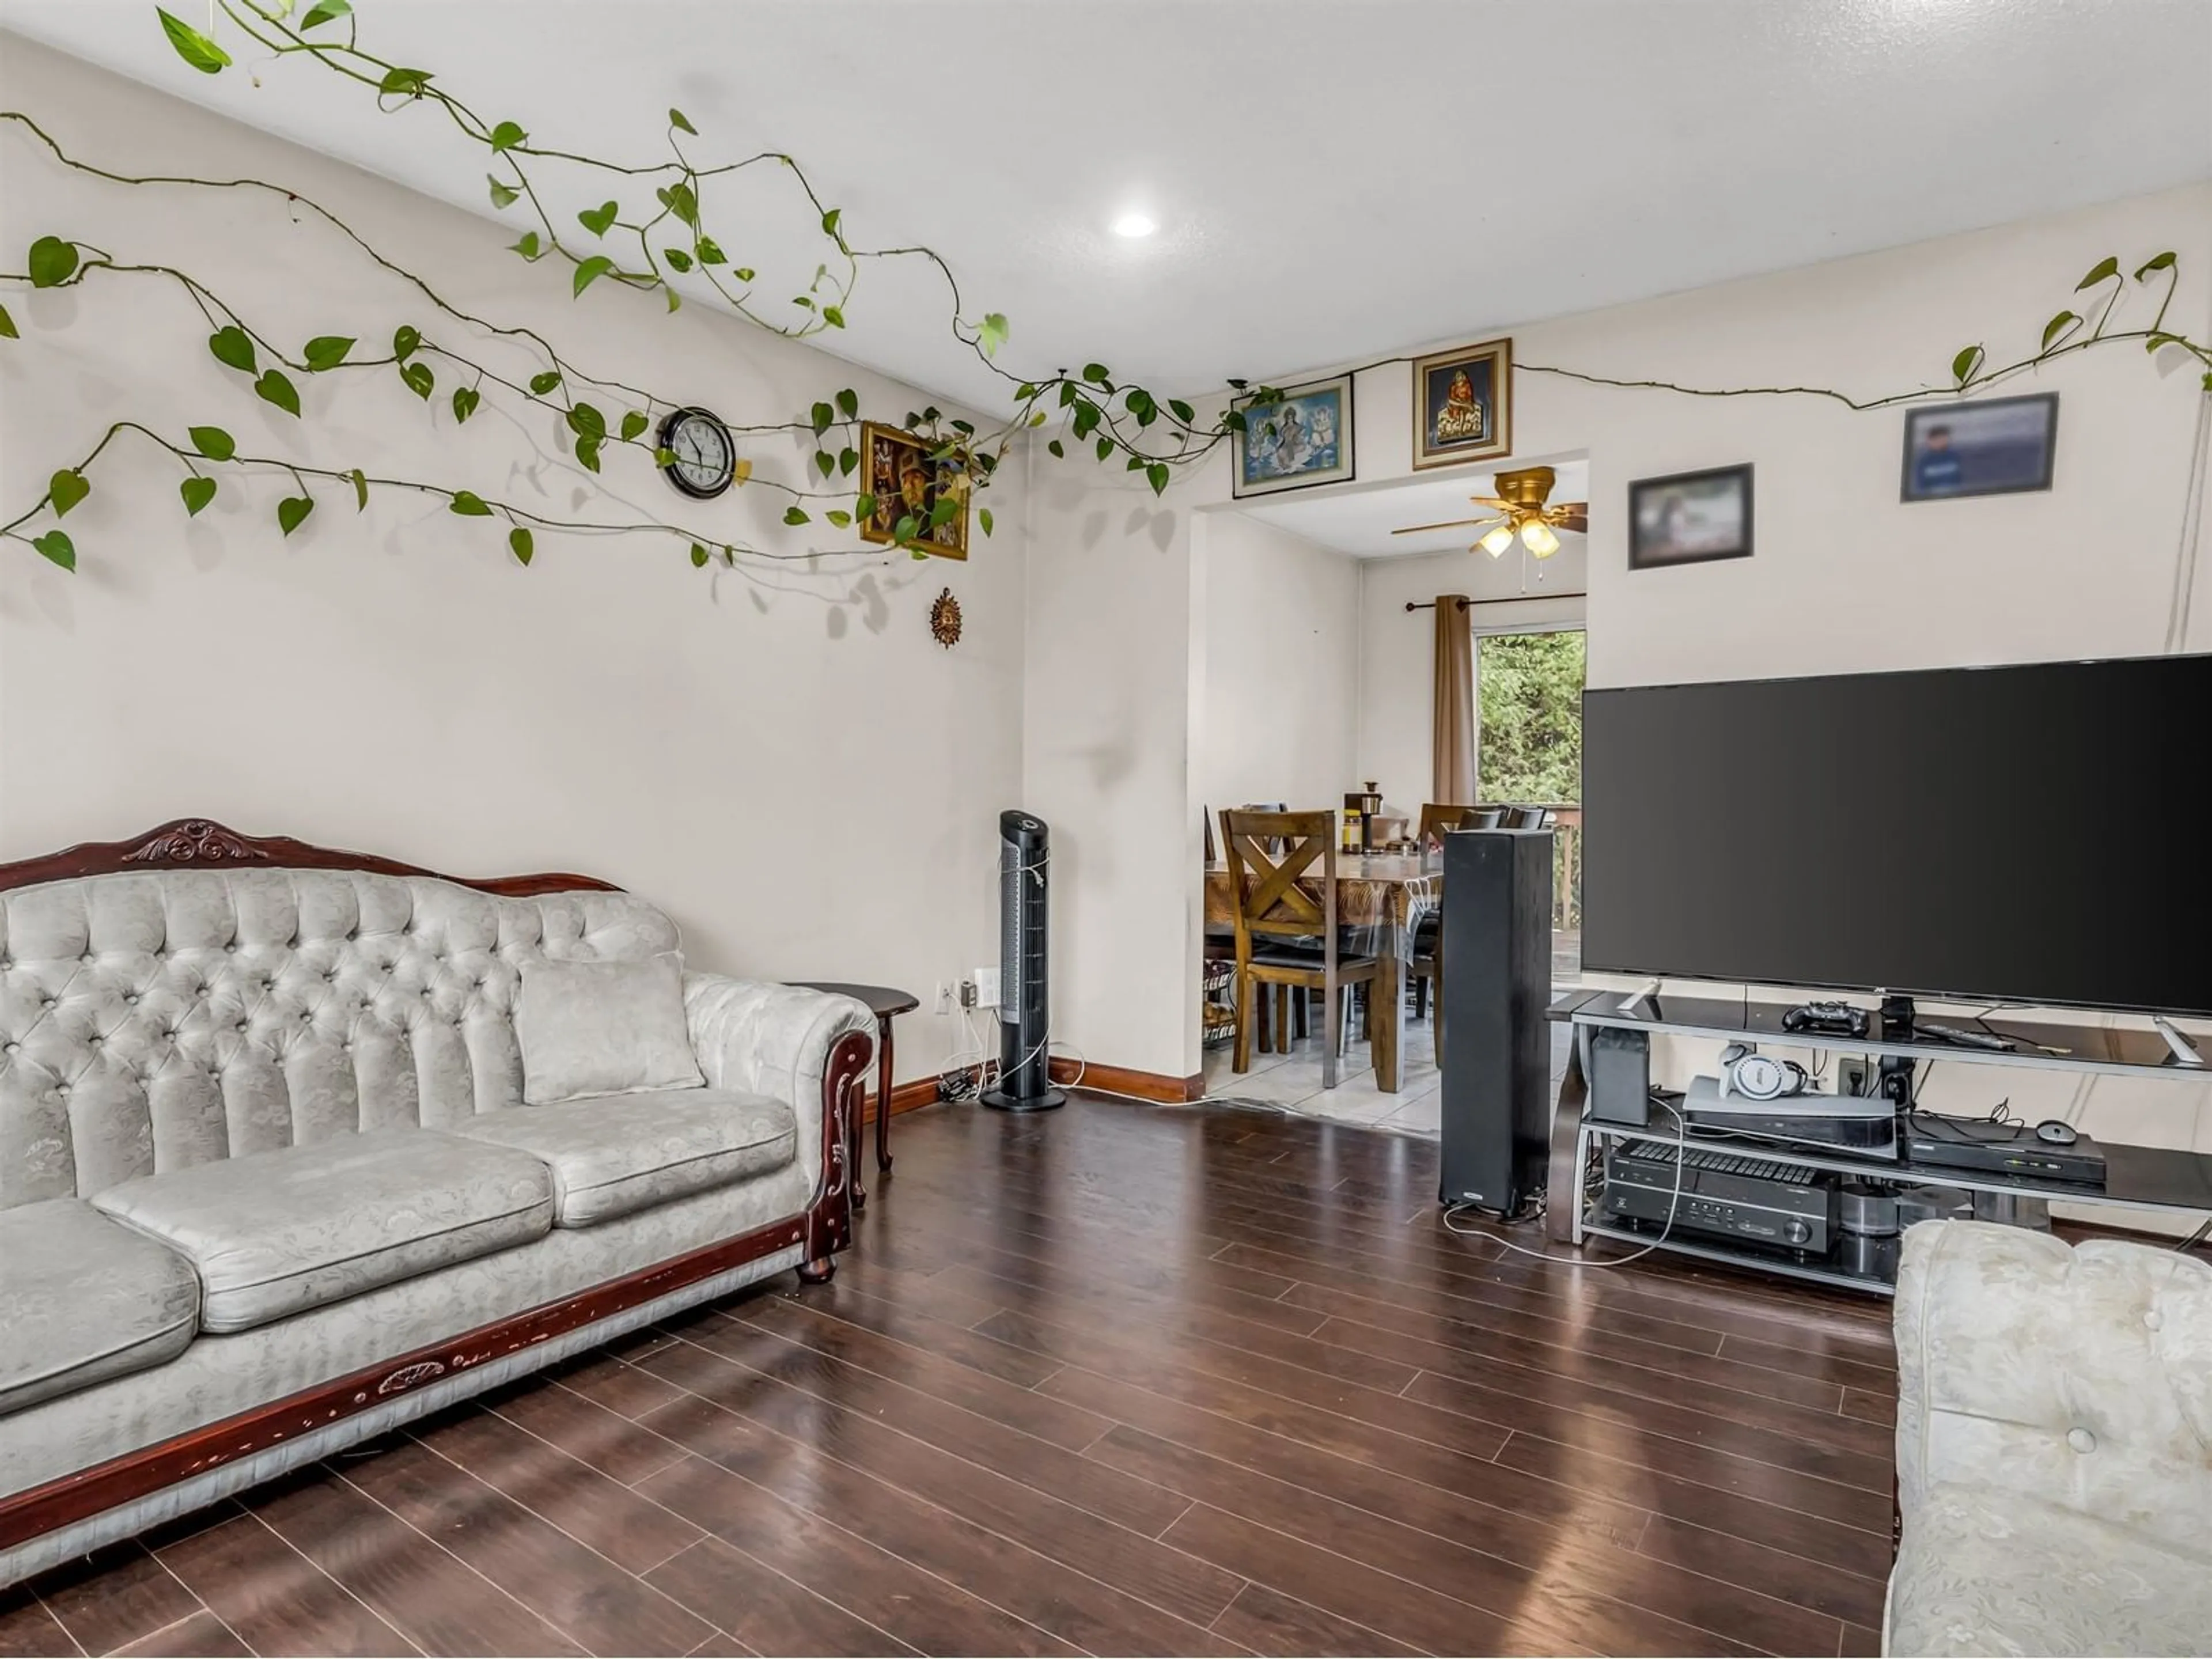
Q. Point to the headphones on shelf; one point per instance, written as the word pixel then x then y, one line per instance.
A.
pixel 1745 1072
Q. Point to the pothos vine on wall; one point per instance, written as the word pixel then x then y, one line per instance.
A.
pixel 630 241
pixel 655 226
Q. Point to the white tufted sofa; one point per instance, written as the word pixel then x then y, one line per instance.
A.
pixel 2054 1446
pixel 267 1184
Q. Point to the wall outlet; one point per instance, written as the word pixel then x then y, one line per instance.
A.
pixel 1851 1075
pixel 987 987
pixel 945 996
pixel 966 993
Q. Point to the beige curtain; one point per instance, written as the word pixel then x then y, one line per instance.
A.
pixel 1452 731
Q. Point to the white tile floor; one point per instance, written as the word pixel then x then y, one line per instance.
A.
pixel 1292 1081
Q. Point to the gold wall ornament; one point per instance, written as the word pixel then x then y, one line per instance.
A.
pixel 945 620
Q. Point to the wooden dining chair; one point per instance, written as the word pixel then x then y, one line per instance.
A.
pixel 1273 909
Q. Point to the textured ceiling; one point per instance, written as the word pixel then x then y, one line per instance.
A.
pixel 1332 181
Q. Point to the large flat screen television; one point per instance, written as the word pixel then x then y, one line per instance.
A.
pixel 2032 834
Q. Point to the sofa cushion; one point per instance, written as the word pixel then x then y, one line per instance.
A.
pixel 1985 1571
pixel 278 1232
pixel 604 1028
pixel 612 1154
pixel 82 1300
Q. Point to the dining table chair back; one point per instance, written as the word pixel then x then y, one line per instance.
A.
pixel 1523 817
pixel 1282 884
pixel 1439 820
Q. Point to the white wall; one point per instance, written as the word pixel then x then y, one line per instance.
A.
pixel 784 760
pixel 1398 648
pixel 1107 747
pixel 1278 709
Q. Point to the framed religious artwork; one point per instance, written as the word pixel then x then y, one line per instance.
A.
pixel 1463 404
pixel 1305 437
pixel 897 470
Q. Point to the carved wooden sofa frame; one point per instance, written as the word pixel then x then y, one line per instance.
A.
pixel 557 1328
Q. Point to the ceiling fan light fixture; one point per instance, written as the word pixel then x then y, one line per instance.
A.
pixel 1496 540
pixel 1538 538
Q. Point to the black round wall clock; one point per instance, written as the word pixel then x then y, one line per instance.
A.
pixel 702 460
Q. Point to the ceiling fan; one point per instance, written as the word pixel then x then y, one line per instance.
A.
pixel 1521 512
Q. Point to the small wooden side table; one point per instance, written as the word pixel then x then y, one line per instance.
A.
pixel 886 1004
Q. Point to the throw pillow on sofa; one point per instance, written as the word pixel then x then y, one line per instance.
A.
pixel 604 1028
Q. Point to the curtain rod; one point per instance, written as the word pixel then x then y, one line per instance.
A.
pixel 1463 602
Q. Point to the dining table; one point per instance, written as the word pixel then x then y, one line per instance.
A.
pixel 1383 895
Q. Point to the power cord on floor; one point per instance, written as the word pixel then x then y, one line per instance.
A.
pixel 1674 1203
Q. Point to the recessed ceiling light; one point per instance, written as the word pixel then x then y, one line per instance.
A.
pixel 1134 225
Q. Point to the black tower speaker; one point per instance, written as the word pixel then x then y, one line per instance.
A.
pixel 1497 941
pixel 1025 949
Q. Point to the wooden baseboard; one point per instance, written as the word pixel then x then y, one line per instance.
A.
pixel 1115 1079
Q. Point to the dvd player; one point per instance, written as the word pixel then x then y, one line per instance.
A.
pixel 1933 1141
pixel 1720 1192
pixel 1858 1123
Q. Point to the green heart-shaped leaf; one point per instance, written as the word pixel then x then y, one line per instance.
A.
pixel 585 420
pixel 983 517
pixel 2057 327
pixel 990 333
pixel 360 490
pixel 589 271
pixel 420 380
pixel 212 442
pixel 542 384
pixel 795 515
pixel 676 120
pixel 57 546
pixel 675 300
pixel 1157 474
pixel 1963 365
pixel 825 462
pixel 465 399
pixel 469 505
pixel 824 417
pixel 324 11
pixel 2107 267
pixel 233 349
pixel 2156 262
pixel 699 556
pixel 529 247
pixel 849 403
pixel 678 260
pixel 326 351
pixel 507 135
pixel 197 493
pixel 840 517
pixel 633 426
pixel 598 220
pixel 1182 410
pixel 195 48
pixel 588 452
pixel 276 387
pixel 503 195
pixel 52 262
pixel 8 325
pixel 292 511
pixel 405 340
pixel 65 490
pixel 847 460
pixel 833 316
pixel 906 529
pixel 521 541
pixel 404 83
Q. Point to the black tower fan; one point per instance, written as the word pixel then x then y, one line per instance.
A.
pixel 1024 1011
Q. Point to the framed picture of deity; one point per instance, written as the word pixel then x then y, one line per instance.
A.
pixel 1463 404
pixel 1303 437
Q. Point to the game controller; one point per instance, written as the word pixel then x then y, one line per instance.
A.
pixel 1833 1018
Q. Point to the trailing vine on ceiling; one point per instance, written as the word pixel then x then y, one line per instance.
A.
pixel 655 226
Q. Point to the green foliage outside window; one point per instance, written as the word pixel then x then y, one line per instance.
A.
pixel 1529 689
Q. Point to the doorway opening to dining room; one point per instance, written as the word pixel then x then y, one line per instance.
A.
pixel 1317 655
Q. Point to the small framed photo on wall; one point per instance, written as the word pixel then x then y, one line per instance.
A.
pixel 1688 518
pixel 1303 438
pixel 1463 404
pixel 2000 447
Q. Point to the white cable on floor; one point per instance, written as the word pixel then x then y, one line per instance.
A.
pixel 1673 1202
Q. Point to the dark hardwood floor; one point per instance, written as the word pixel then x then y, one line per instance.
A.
pixel 1116 1379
